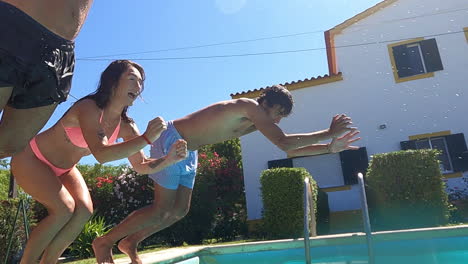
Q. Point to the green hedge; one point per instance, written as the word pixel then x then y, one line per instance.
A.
pixel 406 190
pixel 282 195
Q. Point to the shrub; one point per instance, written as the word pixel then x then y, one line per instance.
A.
pixel 116 197
pixel 82 246
pixel 406 190
pixel 282 195
pixel 8 209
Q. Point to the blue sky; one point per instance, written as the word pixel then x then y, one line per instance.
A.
pixel 176 87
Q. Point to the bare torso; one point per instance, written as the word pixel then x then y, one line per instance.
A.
pixel 63 17
pixel 213 124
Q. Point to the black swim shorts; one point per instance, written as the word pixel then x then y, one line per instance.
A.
pixel 37 63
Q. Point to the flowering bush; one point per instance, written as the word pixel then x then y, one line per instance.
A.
pixel 218 200
pixel 119 192
pixel 218 203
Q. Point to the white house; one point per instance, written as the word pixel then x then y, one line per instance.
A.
pixel 400 70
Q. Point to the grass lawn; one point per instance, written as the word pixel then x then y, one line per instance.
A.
pixel 158 248
pixel 116 256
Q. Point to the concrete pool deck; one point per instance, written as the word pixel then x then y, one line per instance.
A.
pixel 173 255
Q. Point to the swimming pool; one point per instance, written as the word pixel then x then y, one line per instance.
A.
pixel 448 245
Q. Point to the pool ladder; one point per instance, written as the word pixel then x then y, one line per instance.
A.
pixel 365 218
pixel 307 207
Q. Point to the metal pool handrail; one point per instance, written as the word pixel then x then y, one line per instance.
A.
pixel 365 218
pixel 306 221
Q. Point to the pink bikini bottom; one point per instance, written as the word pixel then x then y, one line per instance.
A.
pixel 38 154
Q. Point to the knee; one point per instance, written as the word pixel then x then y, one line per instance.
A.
pixel 159 216
pixel 64 211
pixel 83 212
pixel 160 213
pixel 179 213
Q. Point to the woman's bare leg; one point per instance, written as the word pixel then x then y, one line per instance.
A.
pixel 38 180
pixel 76 185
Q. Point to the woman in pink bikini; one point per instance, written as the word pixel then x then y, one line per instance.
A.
pixel 46 168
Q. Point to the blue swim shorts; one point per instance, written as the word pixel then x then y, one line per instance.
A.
pixel 181 173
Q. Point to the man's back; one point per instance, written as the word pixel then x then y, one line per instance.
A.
pixel 216 123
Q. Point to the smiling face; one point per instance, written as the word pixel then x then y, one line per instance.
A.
pixel 129 87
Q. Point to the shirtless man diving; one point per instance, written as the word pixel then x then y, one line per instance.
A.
pixel 215 123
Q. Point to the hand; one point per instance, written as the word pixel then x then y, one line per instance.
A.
pixel 155 128
pixel 343 143
pixel 339 125
pixel 177 152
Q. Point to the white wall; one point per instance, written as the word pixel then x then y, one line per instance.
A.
pixel 325 169
pixel 371 97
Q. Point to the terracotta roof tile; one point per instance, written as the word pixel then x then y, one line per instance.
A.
pixel 312 79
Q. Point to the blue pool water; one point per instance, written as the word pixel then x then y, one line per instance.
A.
pixel 452 250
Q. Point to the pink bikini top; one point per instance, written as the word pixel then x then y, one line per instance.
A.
pixel 76 135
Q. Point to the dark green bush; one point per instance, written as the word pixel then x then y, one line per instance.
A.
pixel 196 225
pixel 218 204
pixel 406 190
pixel 8 210
pixel 282 195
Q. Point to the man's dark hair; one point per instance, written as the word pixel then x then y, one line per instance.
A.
pixel 277 95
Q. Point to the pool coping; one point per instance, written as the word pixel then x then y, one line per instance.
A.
pixel 174 255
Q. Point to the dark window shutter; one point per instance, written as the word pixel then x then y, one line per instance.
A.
pixel 402 62
pixel 281 163
pixel 410 144
pixel 353 162
pixel 431 55
pixel 456 145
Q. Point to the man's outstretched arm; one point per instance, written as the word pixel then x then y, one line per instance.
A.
pixel 336 145
pixel 287 142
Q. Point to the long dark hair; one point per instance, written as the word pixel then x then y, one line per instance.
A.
pixel 109 80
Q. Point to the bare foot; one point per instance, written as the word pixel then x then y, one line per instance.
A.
pixel 130 249
pixel 102 251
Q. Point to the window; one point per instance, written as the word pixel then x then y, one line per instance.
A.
pixel 415 59
pixel 454 157
pixel 281 163
pixel 438 143
pixel 353 162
